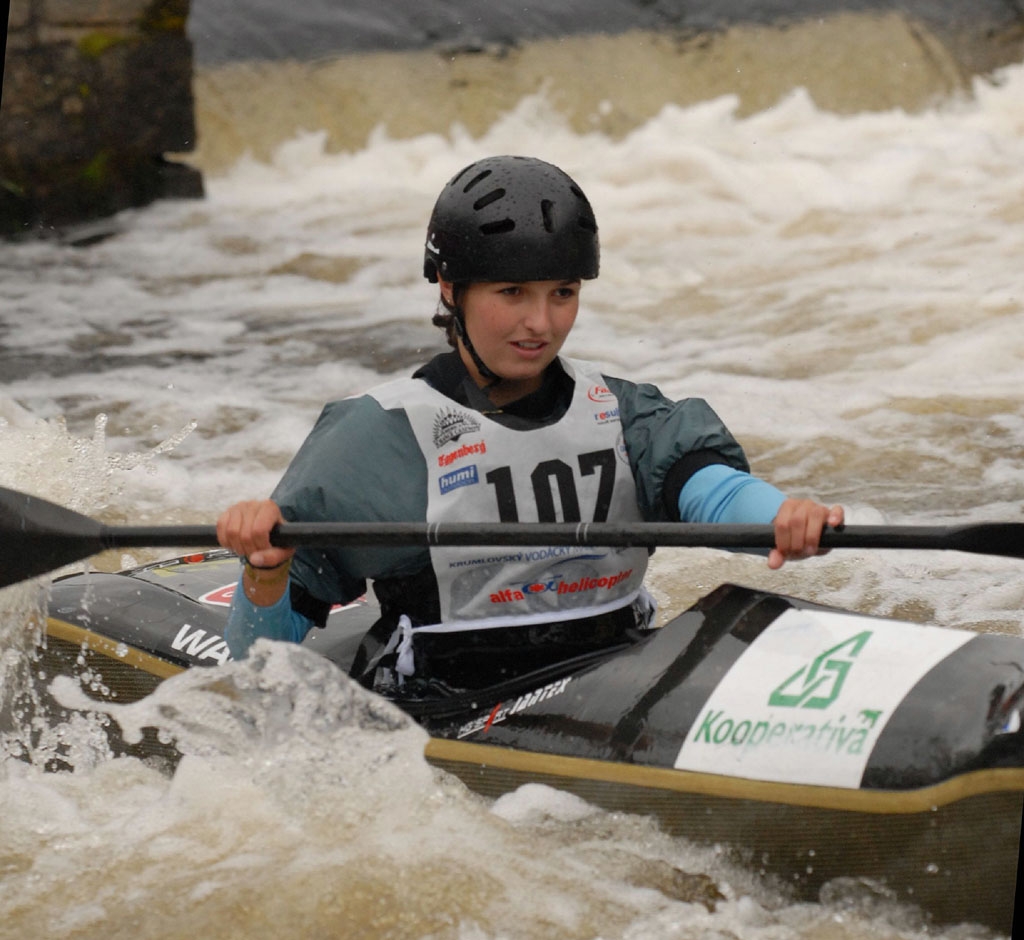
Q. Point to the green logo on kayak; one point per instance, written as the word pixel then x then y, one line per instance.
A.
pixel 818 684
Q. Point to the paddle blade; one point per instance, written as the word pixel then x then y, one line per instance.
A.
pixel 37 536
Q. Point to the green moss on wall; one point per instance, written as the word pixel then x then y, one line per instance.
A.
pixel 9 185
pixel 165 16
pixel 94 44
pixel 96 171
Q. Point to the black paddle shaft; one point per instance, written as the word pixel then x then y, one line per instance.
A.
pixel 984 538
pixel 37 536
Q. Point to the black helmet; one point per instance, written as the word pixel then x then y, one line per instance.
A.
pixel 511 219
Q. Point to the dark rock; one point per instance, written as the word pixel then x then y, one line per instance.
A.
pixel 92 101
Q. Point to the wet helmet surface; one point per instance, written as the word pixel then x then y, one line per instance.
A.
pixel 511 218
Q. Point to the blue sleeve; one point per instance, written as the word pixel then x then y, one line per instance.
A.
pixel 718 493
pixel 247 622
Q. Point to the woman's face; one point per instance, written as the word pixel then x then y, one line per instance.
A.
pixel 517 328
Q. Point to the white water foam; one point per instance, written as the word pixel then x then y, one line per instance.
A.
pixel 846 291
pixel 306 798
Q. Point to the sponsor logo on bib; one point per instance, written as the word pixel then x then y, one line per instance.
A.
pixel 606 417
pixel 464 476
pixel 445 460
pixel 620 450
pixel 450 425
pixel 559 586
pixel 600 393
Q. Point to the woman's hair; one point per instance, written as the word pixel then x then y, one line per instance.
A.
pixel 445 318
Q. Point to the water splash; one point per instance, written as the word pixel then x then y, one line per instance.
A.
pixel 42 458
pixel 303 806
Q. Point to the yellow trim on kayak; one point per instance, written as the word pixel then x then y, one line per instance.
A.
pixel 882 802
pixel 147 662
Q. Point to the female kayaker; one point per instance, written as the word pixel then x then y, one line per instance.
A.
pixel 500 429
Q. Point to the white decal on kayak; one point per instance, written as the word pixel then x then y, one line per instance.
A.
pixel 197 643
pixel 501 711
pixel 808 699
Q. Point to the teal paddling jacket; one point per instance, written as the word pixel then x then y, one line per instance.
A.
pixel 361 462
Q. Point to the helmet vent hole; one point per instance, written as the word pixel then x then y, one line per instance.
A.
pixel 497 228
pixel 493 196
pixel 476 180
pixel 546 205
pixel 588 223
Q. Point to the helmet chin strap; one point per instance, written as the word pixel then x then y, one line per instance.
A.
pixel 459 322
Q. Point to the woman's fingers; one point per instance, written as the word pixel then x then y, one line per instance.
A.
pixel 798 527
pixel 245 528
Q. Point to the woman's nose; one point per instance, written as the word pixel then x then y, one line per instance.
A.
pixel 538 315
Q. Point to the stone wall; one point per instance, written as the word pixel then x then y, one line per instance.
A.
pixel 94 95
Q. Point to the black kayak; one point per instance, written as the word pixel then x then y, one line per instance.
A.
pixel 816 743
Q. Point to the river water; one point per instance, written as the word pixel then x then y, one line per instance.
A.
pixel 844 288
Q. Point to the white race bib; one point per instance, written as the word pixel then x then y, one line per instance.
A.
pixel 478 470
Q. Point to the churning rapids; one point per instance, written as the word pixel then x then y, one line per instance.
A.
pixel 845 290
